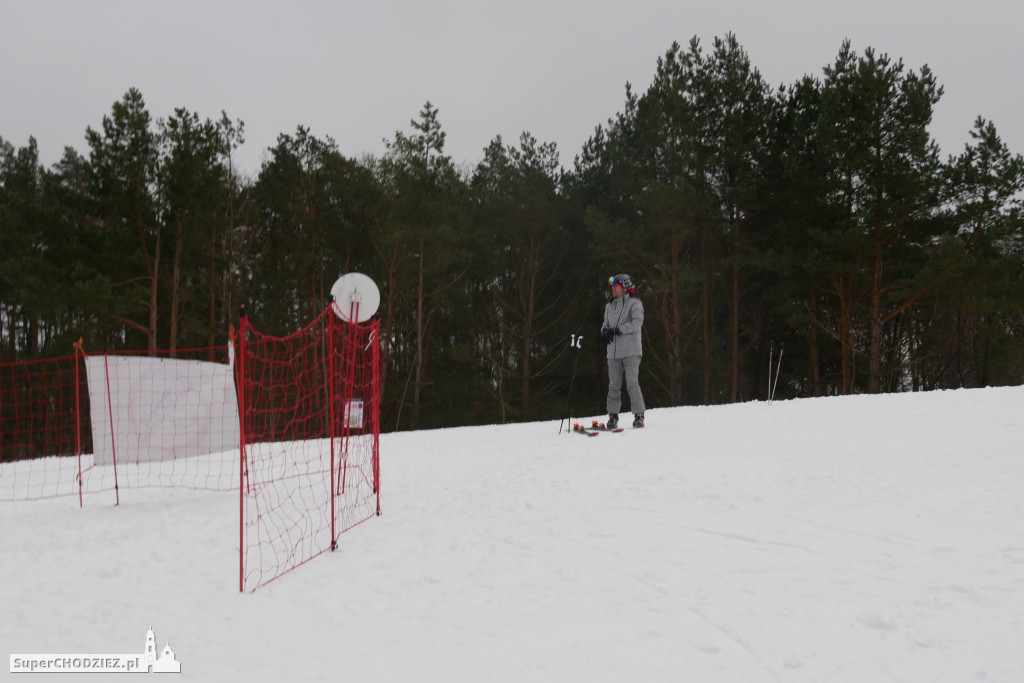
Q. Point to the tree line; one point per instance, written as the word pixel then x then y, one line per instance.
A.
pixel 815 217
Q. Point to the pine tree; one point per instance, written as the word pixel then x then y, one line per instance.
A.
pixel 312 210
pixel 740 106
pixel 123 164
pixel 425 195
pixel 192 188
pixel 984 310
pixel 222 266
pixel 23 267
pixel 645 181
pixel 885 183
pixel 796 268
pixel 526 286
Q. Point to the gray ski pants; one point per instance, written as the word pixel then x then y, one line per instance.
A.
pixel 630 368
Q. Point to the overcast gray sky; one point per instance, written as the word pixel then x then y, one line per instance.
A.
pixel 358 71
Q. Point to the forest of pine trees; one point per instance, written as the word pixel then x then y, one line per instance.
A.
pixel 818 215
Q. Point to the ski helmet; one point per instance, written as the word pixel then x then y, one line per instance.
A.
pixel 624 280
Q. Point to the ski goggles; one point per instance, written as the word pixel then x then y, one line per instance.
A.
pixel 619 280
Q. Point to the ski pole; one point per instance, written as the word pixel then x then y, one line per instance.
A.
pixel 771 357
pixel 576 340
pixel 778 370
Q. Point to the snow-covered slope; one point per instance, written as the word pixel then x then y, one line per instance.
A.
pixel 844 539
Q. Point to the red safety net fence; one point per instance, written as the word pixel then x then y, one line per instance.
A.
pixel 310 416
pixel 96 423
pixel 292 423
pixel 41 442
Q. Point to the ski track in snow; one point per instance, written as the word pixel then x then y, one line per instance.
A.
pixel 844 539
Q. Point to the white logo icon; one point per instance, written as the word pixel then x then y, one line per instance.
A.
pixel 165 663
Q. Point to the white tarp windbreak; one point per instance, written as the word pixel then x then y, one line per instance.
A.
pixel 161 408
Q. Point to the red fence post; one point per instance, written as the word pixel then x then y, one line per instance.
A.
pixel 240 390
pixel 375 389
pixel 332 403
pixel 78 418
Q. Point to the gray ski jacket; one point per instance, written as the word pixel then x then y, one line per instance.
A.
pixel 627 315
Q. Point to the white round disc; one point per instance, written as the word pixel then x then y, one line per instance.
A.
pixel 356 297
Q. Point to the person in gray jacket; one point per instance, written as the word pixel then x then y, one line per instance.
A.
pixel 623 321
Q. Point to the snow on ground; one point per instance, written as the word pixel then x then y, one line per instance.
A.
pixel 844 539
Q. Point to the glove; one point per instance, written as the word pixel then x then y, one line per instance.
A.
pixel 607 334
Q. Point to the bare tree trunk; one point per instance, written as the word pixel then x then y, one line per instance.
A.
pixel 813 362
pixel 211 317
pixel 418 364
pixel 12 340
pixel 388 332
pixel 705 302
pixel 676 338
pixel 875 319
pixel 229 258
pixel 154 291
pixel 531 296
pixel 33 333
pixel 153 268
pixel 845 331
pixel 176 289
pixel 734 383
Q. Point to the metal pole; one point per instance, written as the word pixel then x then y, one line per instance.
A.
pixel 576 340
pixel 778 369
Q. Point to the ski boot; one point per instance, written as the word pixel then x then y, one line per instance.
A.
pixel 638 420
pixel 613 421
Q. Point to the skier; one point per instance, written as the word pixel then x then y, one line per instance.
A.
pixel 623 320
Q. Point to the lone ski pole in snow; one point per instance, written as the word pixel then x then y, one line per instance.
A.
pixel 576 341
pixel 772 386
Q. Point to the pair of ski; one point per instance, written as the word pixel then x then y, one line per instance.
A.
pixel 595 429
